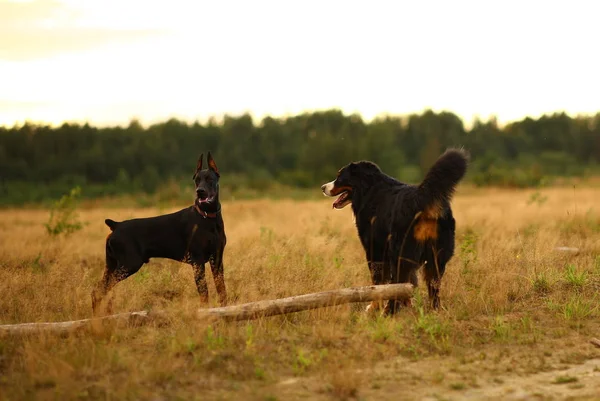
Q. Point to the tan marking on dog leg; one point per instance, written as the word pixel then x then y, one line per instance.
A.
pixel 374 307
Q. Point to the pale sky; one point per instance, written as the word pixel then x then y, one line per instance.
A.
pixel 109 61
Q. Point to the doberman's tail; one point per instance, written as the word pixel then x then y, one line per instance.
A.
pixel 111 224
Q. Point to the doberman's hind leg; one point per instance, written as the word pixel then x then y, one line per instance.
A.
pixel 216 266
pixel 113 273
pixel 110 278
pixel 101 289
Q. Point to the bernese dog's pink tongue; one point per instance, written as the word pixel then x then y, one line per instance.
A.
pixel 340 200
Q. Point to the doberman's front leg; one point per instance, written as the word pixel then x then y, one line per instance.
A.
pixel 216 266
pixel 200 278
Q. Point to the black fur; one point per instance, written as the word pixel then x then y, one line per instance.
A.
pixel 402 226
pixel 441 179
pixel 194 235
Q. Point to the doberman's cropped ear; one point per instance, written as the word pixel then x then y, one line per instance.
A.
pixel 199 165
pixel 211 163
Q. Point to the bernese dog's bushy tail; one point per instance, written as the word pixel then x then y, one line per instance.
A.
pixel 439 184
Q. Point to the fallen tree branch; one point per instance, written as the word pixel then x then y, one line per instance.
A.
pixel 254 310
pixel 567 249
pixel 251 310
pixel 595 342
pixel 132 318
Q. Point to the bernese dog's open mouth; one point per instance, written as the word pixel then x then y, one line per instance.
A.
pixel 344 194
pixel 344 199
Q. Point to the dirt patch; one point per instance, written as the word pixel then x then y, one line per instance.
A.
pixel 575 382
pixel 440 379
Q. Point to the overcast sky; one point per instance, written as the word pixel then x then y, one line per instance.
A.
pixel 108 61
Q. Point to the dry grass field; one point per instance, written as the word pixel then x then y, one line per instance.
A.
pixel 516 321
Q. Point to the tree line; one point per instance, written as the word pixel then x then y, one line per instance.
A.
pixel 41 162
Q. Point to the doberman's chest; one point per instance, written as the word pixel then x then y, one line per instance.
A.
pixel 205 241
pixel 206 238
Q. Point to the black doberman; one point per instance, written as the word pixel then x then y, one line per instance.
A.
pixel 194 235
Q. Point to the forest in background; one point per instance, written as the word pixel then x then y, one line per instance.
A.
pixel 41 163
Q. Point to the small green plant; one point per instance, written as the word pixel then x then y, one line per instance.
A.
pixel 259 373
pixel 274 260
pixel 63 215
pixel 537 198
pixel 527 324
pixel 541 283
pixel 142 276
pixel 430 324
pixel 501 329
pixel 213 340
pixel 458 386
pixel 574 278
pixel 530 230
pixel 301 361
pixel 266 234
pixel 577 308
pixel 565 380
pixel 337 261
pixel 249 337
pixel 37 266
pixel 190 346
pixel 468 251
pixel 382 329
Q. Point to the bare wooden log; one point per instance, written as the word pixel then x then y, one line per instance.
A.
pixel 567 249
pixel 254 310
pixel 251 310
pixel 595 342
pixel 131 318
